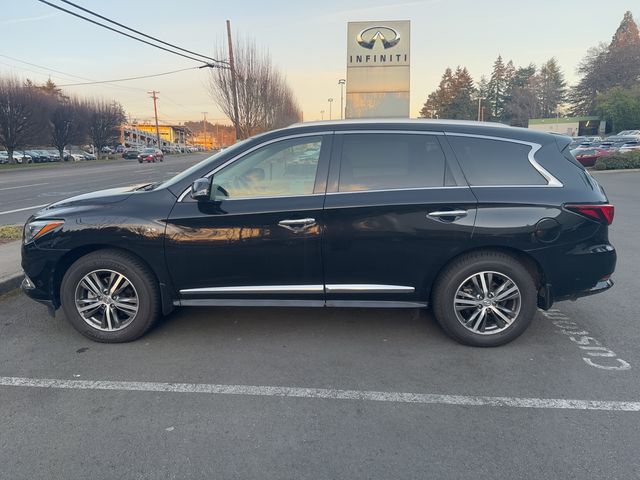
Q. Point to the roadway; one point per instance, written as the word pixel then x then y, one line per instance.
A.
pixel 24 190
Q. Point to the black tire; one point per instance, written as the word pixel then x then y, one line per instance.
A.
pixel 139 161
pixel 458 271
pixel 135 271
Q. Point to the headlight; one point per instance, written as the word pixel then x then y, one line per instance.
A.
pixel 39 228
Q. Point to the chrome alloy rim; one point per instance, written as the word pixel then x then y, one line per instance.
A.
pixel 106 300
pixel 487 302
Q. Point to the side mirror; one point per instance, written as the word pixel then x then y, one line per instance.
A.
pixel 201 189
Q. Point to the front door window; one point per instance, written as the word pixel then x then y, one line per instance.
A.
pixel 285 168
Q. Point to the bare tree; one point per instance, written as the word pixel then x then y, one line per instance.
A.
pixel 68 123
pixel 19 119
pixel 265 100
pixel 104 120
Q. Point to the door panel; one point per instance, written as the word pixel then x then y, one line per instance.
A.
pixel 387 230
pixel 387 238
pixel 251 246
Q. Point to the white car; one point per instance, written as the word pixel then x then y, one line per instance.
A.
pixel 629 147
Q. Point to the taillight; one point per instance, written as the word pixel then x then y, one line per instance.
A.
pixel 602 213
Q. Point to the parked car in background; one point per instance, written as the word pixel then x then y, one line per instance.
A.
pixel 614 142
pixel 151 155
pixel 588 156
pixel 483 223
pixel 55 155
pixel 629 147
pixel 88 156
pixel 38 156
pixel 4 157
pixel 635 133
pixel 120 148
pixel 22 157
pixel 77 155
pixel 130 154
pixel 106 149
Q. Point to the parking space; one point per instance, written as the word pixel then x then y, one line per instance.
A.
pixel 330 393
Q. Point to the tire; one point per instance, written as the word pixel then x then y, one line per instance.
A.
pixel 487 329
pixel 141 284
pixel 139 161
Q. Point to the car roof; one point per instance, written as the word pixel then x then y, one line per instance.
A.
pixel 438 125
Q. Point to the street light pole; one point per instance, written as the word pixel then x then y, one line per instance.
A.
pixel 342 83
pixel 330 102
pixel 321 114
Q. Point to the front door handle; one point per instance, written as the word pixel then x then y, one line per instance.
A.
pixel 447 215
pixel 298 224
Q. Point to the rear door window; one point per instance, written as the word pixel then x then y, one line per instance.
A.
pixel 387 161
pixel 488 162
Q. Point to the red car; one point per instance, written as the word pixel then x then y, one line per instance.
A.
pixel 151 155
pixel 589 155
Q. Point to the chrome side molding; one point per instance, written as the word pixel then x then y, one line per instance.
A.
pixel 297 289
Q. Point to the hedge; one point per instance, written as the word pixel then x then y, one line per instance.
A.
pixel 619 161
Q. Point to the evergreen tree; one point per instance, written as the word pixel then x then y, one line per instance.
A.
pixel 453 99
pixel 498 86
pixel 551 88
pixel 605 67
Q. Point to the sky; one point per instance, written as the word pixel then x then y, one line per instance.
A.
pixel 306 41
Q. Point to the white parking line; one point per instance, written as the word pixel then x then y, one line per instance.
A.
pixel 23 209
pixel 24 186
pixel 324 393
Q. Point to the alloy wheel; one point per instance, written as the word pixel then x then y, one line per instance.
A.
pixel 487 302
pixel 106 300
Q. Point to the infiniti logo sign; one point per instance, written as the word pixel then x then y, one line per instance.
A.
pixel 368 37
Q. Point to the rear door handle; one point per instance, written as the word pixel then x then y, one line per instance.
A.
pixel 445 214
pixel 298 224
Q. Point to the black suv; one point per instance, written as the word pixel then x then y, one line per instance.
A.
pixel 483 222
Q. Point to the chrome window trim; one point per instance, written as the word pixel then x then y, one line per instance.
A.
pixel 257 289
pixel 252 149
pixel 551 180
pixel 401 132
pixel 365 287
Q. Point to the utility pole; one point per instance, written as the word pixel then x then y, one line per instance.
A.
pixel 479 106
pixel 154 95
pixel 342 83
pixel 204 125
pixel 330 100
pixel 232 65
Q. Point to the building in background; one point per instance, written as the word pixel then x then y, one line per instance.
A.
pixel 378 68
pixel 572 126
pixel 145 133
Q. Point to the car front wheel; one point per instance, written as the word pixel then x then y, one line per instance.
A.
pixel 485 299
pixel 110 296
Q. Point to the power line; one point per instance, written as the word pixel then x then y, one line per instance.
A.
pixel 206 64
pixel 48 70
pixel 129 78
pixel 139 32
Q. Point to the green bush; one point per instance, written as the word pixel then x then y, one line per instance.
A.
pixel 619 161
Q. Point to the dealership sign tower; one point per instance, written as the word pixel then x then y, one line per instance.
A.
pixel 378 60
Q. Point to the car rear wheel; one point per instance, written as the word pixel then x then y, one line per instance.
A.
pixel 110 296
pixel 485 299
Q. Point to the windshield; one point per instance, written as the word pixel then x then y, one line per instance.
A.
pixel 189 171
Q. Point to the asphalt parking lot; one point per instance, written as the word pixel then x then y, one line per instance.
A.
pixel 330 393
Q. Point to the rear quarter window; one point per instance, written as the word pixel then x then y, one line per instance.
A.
pixel 487 162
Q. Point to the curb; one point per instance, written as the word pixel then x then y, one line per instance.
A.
pixel 10 283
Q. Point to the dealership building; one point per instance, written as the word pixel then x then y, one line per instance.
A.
pixel 572 126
